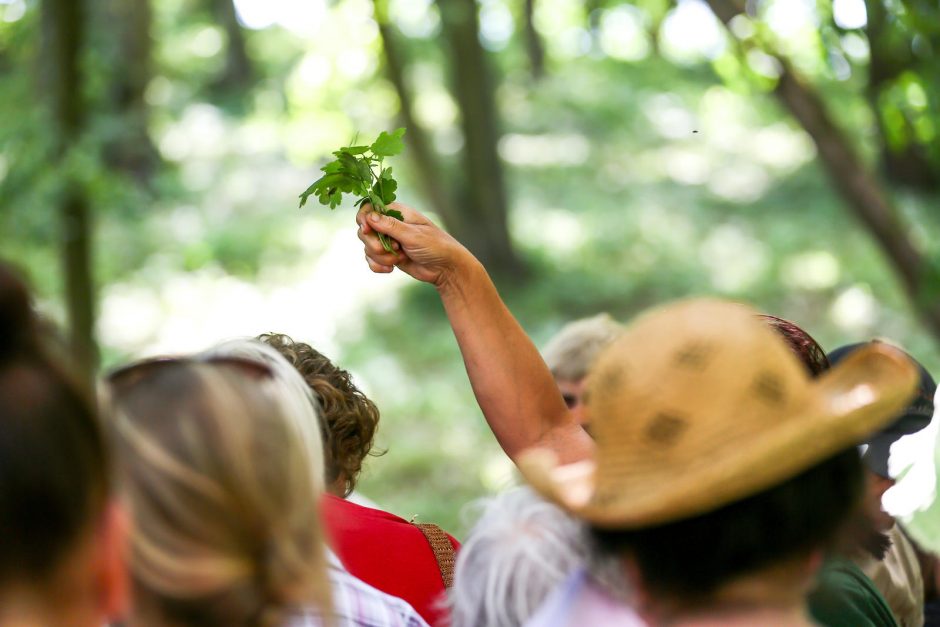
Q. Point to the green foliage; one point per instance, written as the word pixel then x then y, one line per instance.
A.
pixel 630 207
pixel 354 172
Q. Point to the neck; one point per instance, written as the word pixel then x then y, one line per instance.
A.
pixel 774 596
pixel 22 607
pixel 725 616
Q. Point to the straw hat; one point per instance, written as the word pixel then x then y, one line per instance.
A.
pixel 699 404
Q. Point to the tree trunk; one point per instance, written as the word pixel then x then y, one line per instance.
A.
pixel 858 187
pixel 592 9
pixel 533 40
pixel 429 174
pixel 63 30
pixel 483 195
pixel 131 150
pixel 239 73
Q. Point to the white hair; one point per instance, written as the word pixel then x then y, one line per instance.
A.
pixel 519 551
pixel 571 351
pixel 300 401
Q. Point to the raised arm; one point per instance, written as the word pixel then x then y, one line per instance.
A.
pixel 512 384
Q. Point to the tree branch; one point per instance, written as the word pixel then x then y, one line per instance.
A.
pixel 857 186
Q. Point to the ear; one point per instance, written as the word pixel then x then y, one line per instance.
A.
pixel 111 569
pixel 639 595
pixel 809 568
pixel 814 562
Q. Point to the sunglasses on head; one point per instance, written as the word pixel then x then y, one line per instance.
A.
pixel 136 372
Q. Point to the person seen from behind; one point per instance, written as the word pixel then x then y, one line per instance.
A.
pixel 221 464
pixel 879 582
pixel 417 559
pixel 723 471
pixel 518 552
pixel 60 557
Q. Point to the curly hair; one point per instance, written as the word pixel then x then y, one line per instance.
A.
pixel 349 418
pixel 801 343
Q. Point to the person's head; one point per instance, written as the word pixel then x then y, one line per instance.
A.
pixel 59 562
pixel 911 419
pixel 800 343
pixel 519 550
pixel 719 459
pixel 222 476
pixel 349 418
pixel 570 353
pixel 784 526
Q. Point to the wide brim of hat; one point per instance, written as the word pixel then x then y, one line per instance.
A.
pixel 845 405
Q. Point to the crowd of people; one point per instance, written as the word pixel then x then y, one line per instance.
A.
pixel 704 464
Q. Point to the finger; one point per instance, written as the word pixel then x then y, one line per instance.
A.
pixel 365 234
pixel 394 228
pixel 379 268
pixel 372 245
pixel 412 216
pixel 364 210
pixel 383 258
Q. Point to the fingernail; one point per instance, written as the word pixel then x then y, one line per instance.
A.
pixel 375 217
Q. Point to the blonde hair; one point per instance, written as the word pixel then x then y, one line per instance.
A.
pixel 222 475
pixel 571 351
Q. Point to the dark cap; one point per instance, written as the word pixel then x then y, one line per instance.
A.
pixel 915 417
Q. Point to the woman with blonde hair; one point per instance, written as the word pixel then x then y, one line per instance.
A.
pixel 221 466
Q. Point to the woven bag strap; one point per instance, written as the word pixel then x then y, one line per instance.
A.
pixel 443 550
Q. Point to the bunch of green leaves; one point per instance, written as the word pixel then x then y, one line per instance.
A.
pixel 361 171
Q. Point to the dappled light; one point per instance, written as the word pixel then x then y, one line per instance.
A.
pixel 597 156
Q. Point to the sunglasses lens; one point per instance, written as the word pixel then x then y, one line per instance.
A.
pixel 135 372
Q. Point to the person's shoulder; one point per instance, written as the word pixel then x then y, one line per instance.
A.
pixel 846 576
pixel 845 596
pixel 359 604
pixel 362 512
pixel 579 601
pixel 346 514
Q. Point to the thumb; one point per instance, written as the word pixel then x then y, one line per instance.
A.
pixel 396 229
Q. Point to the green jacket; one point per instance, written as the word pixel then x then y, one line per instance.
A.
pixel 846 597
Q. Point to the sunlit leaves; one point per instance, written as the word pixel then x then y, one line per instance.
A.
pixel 353 171
pixel 388 144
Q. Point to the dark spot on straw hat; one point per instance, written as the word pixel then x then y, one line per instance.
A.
pixel 605 495
pixel 612 379
pixel 694 356
pixel 665 428
pixel 769 388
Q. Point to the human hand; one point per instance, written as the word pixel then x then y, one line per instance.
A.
pixel 421 249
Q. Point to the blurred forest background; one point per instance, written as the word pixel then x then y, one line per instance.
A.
pixel 598 155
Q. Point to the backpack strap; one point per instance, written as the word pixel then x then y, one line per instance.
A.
pixel 443 550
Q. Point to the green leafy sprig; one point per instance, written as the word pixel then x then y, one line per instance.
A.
pixel 360 170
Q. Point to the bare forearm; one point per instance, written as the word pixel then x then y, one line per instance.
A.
pixel 512 384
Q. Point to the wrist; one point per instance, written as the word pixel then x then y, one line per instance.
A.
pixel 465 271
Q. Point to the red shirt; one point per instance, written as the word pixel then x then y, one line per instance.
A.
pixel 388 553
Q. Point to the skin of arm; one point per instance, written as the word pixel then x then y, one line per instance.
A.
pixel 512 384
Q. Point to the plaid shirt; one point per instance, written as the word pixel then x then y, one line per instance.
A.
pixel 357 604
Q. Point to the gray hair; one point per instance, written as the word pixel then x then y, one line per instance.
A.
pixel 295 394
pixel 519 551
pixel 570 353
